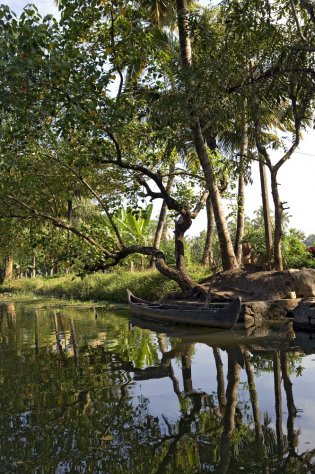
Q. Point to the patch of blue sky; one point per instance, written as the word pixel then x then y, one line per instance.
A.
pixel 45 7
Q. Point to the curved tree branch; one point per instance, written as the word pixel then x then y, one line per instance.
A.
pixel 61 224
pixel 184 281
pixel 157 179
pixel 92 191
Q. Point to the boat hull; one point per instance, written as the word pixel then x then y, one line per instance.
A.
pixel 215 316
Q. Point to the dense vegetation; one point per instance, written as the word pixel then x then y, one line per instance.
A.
pixel 97 287
pixel 121 103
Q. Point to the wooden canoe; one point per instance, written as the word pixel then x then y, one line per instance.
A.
pixel 216 315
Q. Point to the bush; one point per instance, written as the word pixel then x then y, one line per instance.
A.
pixel 294 250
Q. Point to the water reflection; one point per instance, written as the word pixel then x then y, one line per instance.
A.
pixel 81 393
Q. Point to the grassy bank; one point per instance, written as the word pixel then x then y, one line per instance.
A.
pixel 109 287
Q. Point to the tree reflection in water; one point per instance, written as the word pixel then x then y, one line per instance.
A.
pixel 70 398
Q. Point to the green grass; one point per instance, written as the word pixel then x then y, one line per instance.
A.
pixel 110 287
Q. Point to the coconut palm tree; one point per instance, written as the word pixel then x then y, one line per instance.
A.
pixel 162 11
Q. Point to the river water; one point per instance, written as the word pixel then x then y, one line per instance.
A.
pixel 83 390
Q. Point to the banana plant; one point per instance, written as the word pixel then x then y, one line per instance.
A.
pixel 135 226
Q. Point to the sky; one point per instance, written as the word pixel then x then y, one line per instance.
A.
pixel 296 177
pixel 44 6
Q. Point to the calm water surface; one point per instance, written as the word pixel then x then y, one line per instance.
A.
pixel 83 391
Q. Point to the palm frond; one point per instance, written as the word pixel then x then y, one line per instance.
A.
pixel 159 10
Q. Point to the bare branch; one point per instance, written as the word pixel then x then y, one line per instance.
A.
pixel 172 204
pixel 301 47
pixel 116 144
pixel 159 260
pixel 61 224
pixel 287 155
pixel 180 172
pixel 200 205
pixel 298 117
pixel 248 80
pixel 150 193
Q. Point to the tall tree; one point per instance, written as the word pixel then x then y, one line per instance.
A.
pixel 266 210
pixel 240 221
pixel 228 257
pixel 207 257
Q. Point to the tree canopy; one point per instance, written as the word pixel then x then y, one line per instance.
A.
pixel 120 104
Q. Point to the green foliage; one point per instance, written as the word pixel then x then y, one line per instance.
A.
pixel 98 103
pixel 135 224
pixel 196 247
pixel 255 236
pixel 293 248
pixel 96 399
pixel 104 287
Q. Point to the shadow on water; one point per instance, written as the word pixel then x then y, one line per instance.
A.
pixel 86 394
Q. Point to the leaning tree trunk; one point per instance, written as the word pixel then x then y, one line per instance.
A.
pixel 266 211
pixel 240 223
pixel 182 224
pixel 229 261
pixel 220 378
pixel 207 257
pixel 182 278
pixel 278 401
pixel 180 275
pixel 240 219
pixel 69 210
pixel 160 226
pixel 253 395
pixel 163 213
pixel 233 377
pixel 259 433
pixel 292 411
pixel 277 251
pixel 186 369
pixel 69 216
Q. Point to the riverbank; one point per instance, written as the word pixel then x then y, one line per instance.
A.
pixel 108 287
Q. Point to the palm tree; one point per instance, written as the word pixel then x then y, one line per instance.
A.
pixel 159 10
pixel 229 260
pixel 240 224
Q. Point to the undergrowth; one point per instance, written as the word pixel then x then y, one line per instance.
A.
pixel 109 287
